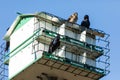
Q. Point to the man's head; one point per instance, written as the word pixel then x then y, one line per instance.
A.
pixel 86 17
pixel 76 14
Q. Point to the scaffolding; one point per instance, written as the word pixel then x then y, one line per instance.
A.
pixel 3 67
pixel 101 47
pixel 42 34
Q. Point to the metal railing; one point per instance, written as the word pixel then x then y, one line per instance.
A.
pixel 74 63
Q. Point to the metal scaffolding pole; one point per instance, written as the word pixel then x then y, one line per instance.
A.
pixel 3 67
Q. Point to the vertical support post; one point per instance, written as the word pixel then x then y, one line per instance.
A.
pixel 84 58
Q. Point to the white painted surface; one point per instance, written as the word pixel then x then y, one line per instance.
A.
pixel 83 36
pixel 61 52
pixel 21 34
pixel 21 60
pixel 66 32
pixel 62 29
pixel 24 57
pixel 84 58
pixel 87 39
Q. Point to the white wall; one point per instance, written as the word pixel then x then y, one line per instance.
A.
pixel 20 61
pixel 21 34
pixel 24 57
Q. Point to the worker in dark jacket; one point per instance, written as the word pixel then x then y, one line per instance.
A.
pixel 54 44
pixel 86 22
pixel 7 46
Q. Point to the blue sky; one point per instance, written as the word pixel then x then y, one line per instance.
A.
pixel 104 15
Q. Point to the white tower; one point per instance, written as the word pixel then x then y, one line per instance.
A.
pixel 79 57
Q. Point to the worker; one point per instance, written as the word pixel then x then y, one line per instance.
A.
pixel 7 43
pixel 86 22
pixel 73 18
pixel 55 43
pixel 7 46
